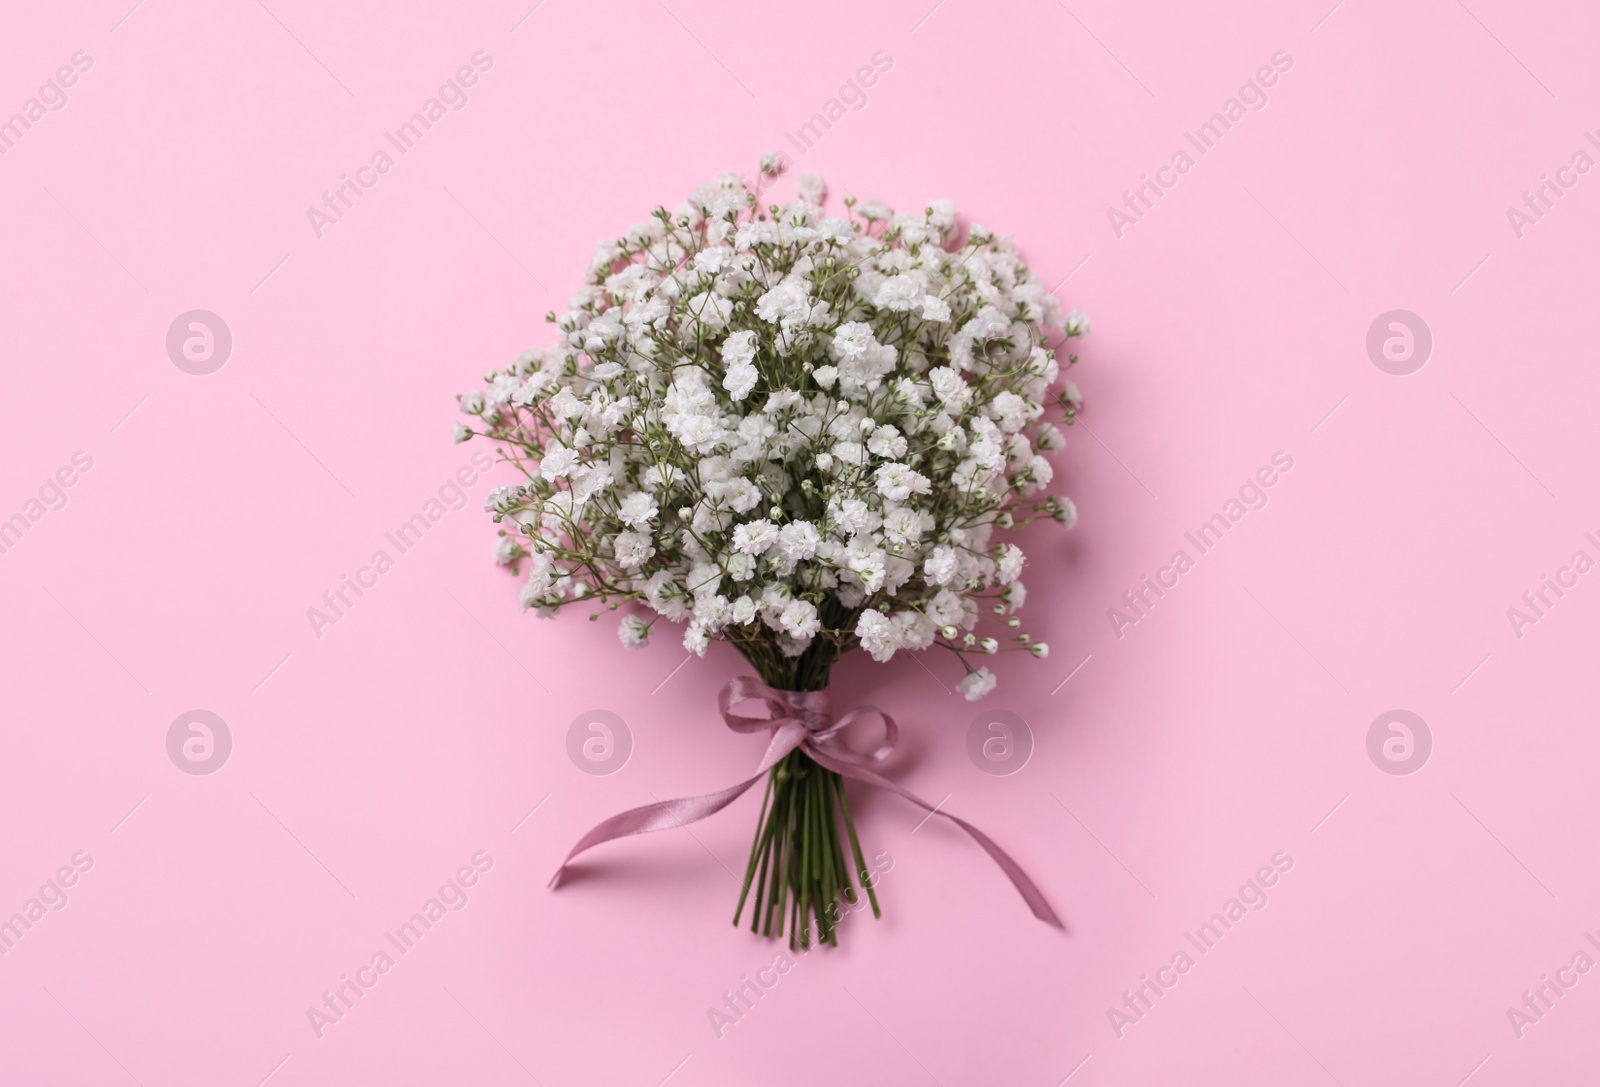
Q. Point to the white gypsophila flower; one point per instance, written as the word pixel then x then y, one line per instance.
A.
pixel 941 566
pixel 808 427
pixel 1008 567
pixel 754 537
pixel 798 540
pixel 558 461
pixel 634 632
pixel 799 619
pixel 977 684
pixel 878 635
pixel 739 380
pixel 899 482
pixel 637 510
pixel 633 549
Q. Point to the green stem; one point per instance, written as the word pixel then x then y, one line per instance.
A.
pixel 755 846
pixel 855 848
pixel 797 861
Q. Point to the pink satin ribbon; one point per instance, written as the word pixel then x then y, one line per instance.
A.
pixel 799 719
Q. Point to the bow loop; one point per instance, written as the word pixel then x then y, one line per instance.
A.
pixel 807 708
pixel 831 738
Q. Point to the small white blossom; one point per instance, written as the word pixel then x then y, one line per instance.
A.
pixel 977 684
pixel 754 537
pixel 1009 566
pixel 634 632
pixel 557 461
pixel 637 510
pixel 941 566
pixel 739 380
pixel 633 549
pixel 898 482
pixel 798 540
pixel 799 619
pixel 878 635
pixel 739 348
pixel 811 188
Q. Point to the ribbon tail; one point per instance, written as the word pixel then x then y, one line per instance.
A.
pixel 1019 879
pixel 667 814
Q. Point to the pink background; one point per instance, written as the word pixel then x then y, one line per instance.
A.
pixel 370 763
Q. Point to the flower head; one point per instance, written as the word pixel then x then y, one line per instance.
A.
pixel 791 429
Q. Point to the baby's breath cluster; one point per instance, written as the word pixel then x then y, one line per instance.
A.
pixel 795 431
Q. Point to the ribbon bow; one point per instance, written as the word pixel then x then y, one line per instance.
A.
pixel 804 720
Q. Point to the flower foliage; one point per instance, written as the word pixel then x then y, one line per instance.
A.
pixel 794 431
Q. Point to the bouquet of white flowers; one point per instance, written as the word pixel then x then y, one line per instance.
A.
pixel 799 433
